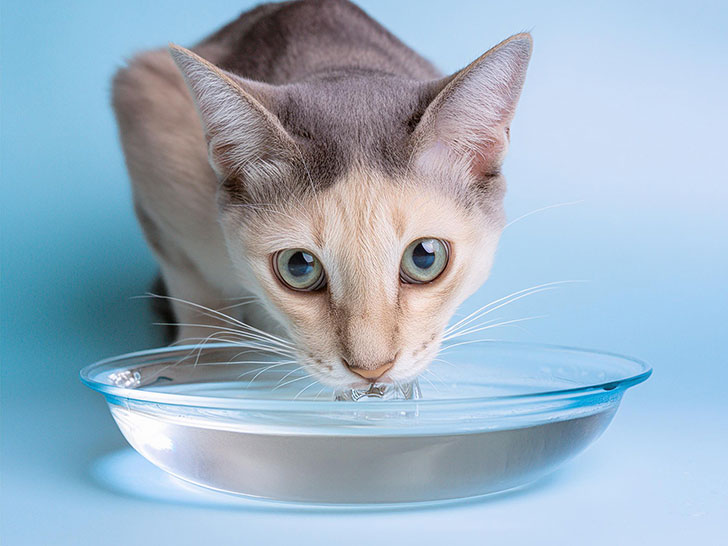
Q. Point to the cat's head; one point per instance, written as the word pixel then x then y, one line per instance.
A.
pixel 367 207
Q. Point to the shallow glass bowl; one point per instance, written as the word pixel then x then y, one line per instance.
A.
pixel 492 418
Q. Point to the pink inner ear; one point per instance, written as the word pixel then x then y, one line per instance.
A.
pixel 486 155
pixel 466 125
pixel 480 157
pixel 479 149
pixel 476 136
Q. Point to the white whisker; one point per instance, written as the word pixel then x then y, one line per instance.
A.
pixel 480 328
pixel 430 382
pixel 239 304
pixel 510 298
pixel 555 206
pixel 224 329
pixel 263 370
pixel 294 370
pixel 320 392
pixel 270 367
pixel 437 376
pixel 292 381
pixel 447 347
pixel 305 389
pixel 444 362
pixel 252 346
pixel 222 316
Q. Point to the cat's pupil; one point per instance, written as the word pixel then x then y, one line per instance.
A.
pixel 300 264
pixel 423 254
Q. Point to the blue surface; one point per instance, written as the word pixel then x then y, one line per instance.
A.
pixel 624 109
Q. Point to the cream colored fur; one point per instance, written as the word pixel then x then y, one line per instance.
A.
pixel 176 189
pixel 358 227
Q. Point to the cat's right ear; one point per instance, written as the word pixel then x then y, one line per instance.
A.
pixel 245 140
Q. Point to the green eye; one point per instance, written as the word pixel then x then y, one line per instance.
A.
pixel 424 260
pixel 299 270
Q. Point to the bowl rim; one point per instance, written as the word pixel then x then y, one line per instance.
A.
pixel 644 371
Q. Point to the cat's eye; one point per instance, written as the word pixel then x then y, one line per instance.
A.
pixel 299 270
pixel 424 260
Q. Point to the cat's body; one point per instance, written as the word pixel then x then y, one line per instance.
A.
pixel 320 131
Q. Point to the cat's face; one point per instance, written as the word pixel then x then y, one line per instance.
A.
pixel 366 207
pixel 368 307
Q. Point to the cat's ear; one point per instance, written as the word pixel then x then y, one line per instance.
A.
pixel 245 140
pixel 467 123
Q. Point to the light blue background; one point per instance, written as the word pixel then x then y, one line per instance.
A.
pixel 624 109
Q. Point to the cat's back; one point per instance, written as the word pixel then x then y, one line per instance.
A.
pixel 296 41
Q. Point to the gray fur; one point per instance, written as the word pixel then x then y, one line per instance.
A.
pixel 295 41
pixel 350 91
pixel 307 123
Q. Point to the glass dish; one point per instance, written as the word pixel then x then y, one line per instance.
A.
pixel 494 417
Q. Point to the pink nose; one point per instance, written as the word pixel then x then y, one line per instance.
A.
pixel 371 373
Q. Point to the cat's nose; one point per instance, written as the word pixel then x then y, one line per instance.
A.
pixel 370 373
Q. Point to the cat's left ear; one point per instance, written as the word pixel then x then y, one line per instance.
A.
pixel 467 124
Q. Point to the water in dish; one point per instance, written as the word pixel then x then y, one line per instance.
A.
pixel 501 416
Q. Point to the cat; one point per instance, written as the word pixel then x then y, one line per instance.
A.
pixel 306 161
